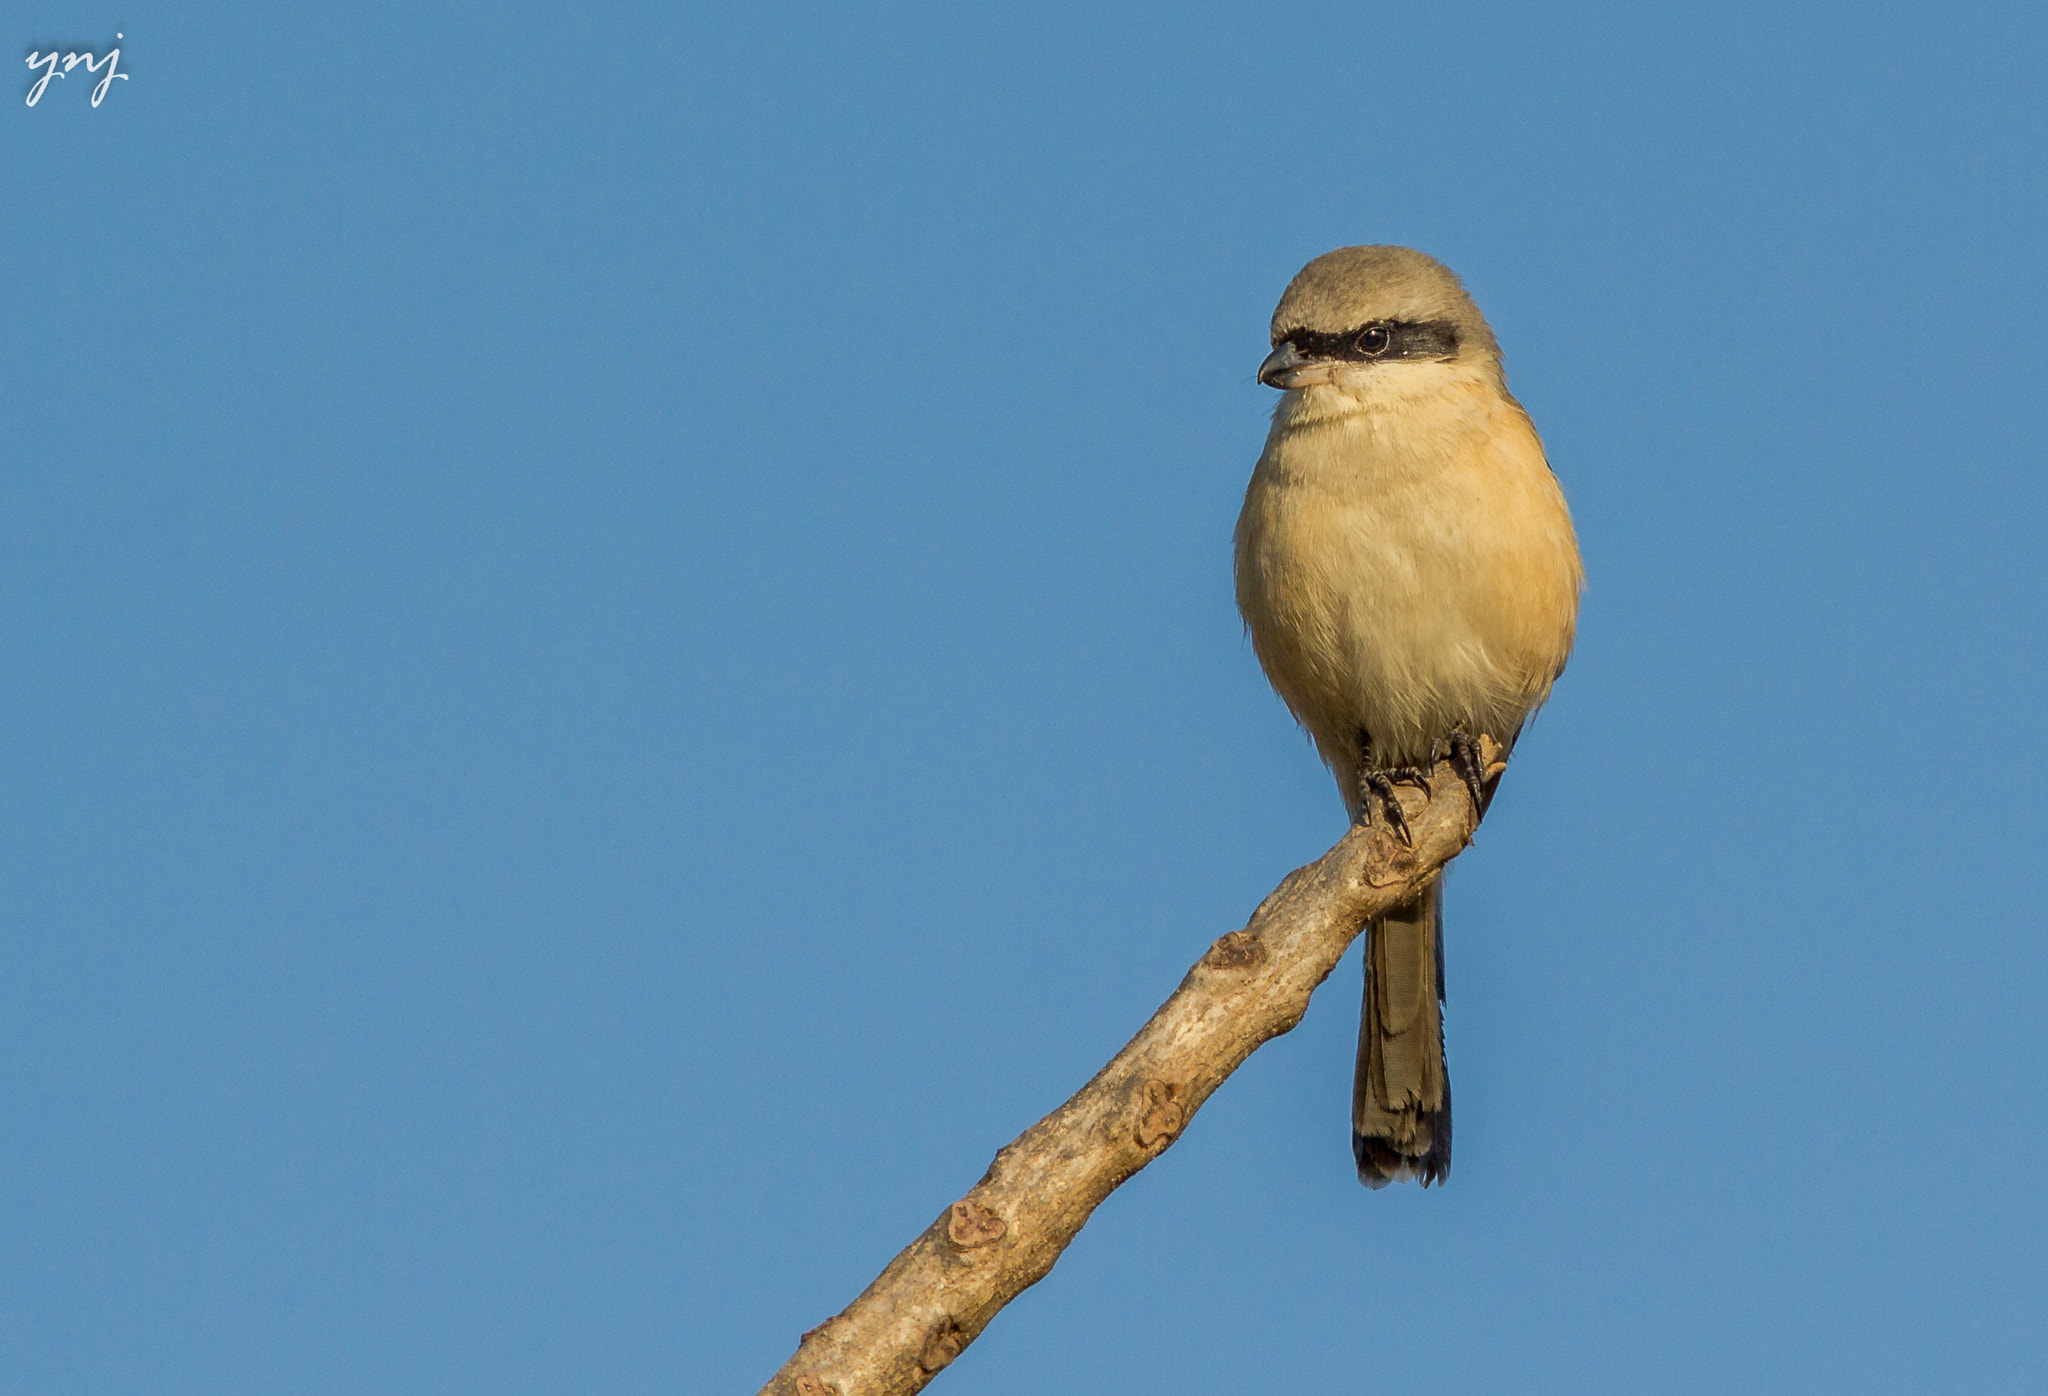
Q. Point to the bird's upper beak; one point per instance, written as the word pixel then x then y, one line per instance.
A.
pixel 1286 367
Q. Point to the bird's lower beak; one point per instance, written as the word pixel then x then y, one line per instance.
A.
pixel 1286 368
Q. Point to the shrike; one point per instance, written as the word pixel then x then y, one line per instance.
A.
pixel 1407 570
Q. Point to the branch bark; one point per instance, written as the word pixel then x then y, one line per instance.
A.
pixel 1251 986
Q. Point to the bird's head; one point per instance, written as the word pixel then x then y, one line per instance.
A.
pixel 1354 318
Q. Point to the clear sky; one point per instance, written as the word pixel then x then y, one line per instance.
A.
pixel 617 662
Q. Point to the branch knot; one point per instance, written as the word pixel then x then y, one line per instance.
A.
pixel 945 1342
pixel 1162 1118
pixel 1238 950
pixel 1388 862
pixel 969 1224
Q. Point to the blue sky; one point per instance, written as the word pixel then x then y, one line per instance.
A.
pixel 617 661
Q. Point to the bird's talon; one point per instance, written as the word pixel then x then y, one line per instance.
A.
pixel 1380 785
pixel 1471 767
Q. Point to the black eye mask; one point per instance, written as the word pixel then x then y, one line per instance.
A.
pixel 1378 341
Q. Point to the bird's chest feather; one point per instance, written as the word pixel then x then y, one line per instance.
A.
pixel 1370 528
pixel 1418 558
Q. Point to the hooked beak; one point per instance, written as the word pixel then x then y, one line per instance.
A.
pixel 1285 367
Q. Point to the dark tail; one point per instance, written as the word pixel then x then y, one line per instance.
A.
pixel 1401 1097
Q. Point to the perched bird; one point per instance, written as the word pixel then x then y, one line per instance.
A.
pixel 1407 571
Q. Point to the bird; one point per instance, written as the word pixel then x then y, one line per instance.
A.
pixel 1409 576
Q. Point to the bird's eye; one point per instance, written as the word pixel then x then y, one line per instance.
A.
pixel 1373 340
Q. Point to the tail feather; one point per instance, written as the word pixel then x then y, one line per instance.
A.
pixel 1401 1096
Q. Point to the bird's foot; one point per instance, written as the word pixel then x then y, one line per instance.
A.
pixel 1468 761
pixel 1379 785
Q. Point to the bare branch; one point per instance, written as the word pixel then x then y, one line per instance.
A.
pixel 1252 985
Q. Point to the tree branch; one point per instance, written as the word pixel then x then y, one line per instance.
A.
pixel 1252 985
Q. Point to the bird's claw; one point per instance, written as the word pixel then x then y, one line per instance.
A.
pixel 1467 760
pixel 1380 785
